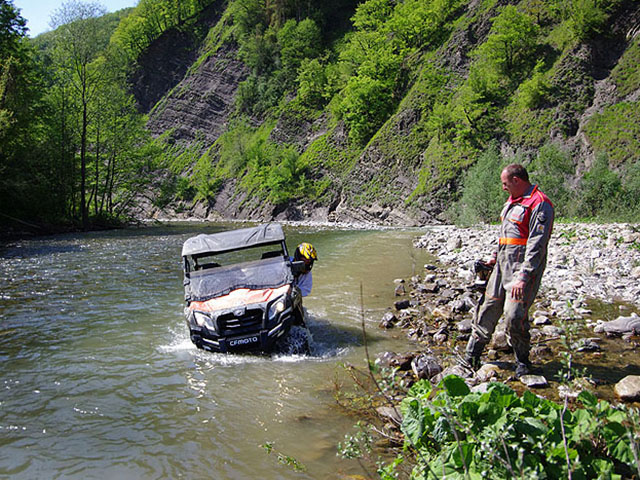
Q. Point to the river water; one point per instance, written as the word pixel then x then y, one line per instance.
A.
pixel 100 379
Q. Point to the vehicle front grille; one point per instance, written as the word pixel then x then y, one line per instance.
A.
pixel 249 322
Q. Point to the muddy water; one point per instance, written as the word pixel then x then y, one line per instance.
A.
pixel 100 380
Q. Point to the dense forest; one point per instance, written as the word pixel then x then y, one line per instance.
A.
pixel 388 111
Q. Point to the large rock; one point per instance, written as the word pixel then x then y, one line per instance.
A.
pixel 620 325
pixel 628 389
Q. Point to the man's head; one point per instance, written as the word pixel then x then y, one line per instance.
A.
pixel 306 253
pixel 515 180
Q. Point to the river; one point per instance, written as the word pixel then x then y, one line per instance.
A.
pixel 100 379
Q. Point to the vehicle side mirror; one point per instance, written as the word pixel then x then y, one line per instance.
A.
pixel 298 267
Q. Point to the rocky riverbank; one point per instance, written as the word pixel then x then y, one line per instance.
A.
pixel 587 307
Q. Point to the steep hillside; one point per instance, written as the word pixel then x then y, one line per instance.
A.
pixel 378 120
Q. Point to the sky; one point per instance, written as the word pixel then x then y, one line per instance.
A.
pixel 38 12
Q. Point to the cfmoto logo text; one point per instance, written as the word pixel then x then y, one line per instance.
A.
pixel 243 341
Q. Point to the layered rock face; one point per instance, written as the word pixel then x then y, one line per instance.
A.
pixel 197 109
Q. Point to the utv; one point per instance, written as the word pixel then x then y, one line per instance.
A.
pixel 240 289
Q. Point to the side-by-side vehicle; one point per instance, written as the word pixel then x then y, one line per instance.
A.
pixel 240 289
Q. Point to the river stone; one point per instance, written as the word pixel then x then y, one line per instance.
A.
pixel 465 326
pixel 500 342
pixel 541 320
pixel 428 288
pixel 399 290
pixel 552 331
pixel 401 361
pixel 586 345
pixel 534 381
pixel 425 366
pixel 628 389
pixel 487 372
pixel 388 320
pixel 620 325
pixel 458 370
pixel 402 304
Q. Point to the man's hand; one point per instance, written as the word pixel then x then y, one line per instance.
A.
pixel 517 290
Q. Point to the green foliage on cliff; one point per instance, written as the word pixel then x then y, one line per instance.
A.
pixel 400 103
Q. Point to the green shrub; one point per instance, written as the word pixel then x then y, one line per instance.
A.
pixel 482 195
pixel 600 190
pixel 551 169
pixel 365 106
pixel 498 434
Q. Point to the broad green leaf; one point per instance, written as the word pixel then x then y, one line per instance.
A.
pixel 455 386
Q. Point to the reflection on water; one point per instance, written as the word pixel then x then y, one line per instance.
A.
pixel 100 379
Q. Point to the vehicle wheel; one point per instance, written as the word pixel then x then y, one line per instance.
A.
pixel 296 343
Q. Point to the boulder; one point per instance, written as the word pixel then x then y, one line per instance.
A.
pixel 628 389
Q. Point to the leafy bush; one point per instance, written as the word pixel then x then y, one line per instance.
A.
pixel 600 189
pixel 366 104
pixel 511 42
pixel 551 170
pixel 482 195
pixel 498 434
pixel 616 131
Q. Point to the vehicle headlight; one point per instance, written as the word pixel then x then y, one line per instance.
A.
pixel 203 320
pixel 276 308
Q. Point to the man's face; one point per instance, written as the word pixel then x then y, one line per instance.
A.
pixel 512 184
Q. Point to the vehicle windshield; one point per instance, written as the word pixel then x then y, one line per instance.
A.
pixel 236 256
pixel 202 285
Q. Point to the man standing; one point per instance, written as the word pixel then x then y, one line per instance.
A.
pixel 527 221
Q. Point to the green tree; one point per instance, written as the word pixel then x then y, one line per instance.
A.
pixel 79 42
pixel 511 43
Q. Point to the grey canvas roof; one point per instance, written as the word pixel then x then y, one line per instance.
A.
pixel 233 239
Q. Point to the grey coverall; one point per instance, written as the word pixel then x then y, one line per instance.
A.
pixel 527 222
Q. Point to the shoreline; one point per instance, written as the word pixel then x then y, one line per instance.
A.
pixel 587 264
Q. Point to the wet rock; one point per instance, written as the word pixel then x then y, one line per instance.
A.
pixel 400 290
pixel 430 278
pixel 487 372
pixel 388 320
pixel 620 325
pixel 586 345
pixel 534 381
pixel 430 267
pixel 401 361
pixel 628 389
pixel 402 304
pixel 425 366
